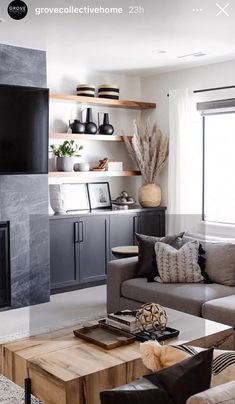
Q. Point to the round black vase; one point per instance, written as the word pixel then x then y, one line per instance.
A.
pixel 106 128
pixel 77 126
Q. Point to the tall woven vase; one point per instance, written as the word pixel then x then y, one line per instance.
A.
pixel 150 196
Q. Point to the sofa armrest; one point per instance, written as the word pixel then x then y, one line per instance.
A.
pixel 118 271
pixel 224 393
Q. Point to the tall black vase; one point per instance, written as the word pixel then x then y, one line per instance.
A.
pixel 90 127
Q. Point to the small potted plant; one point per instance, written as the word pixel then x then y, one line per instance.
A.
pixel 65 154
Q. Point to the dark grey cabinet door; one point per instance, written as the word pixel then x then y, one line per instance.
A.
pixel 152 223
pixel 63 252
pixel 93 248
pixel 122 230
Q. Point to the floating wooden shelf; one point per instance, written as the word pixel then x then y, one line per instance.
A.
pixel 76 136
pixel 78 174
pixel 140 105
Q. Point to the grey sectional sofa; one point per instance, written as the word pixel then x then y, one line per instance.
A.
pixel 125 291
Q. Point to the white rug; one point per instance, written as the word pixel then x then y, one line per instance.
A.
pixel 12 394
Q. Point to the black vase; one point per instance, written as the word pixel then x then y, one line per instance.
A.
pixel 77 126
pixel 106 128
pixel 90 127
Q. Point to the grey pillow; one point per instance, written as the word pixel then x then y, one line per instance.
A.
pixel 178 266
pixel 220 260
pixel 147 266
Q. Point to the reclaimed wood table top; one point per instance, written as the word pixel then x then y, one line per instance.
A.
pixel 66 370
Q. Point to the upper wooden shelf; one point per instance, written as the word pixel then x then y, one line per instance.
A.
pixel 129 173
pixel 140 105
pixel 76 136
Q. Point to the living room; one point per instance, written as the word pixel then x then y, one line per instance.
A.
pixel 133 204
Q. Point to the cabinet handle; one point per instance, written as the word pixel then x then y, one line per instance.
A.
pixel 135 227
pixel 76 232
pixel 80 232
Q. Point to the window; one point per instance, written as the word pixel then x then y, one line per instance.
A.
pixel 219 167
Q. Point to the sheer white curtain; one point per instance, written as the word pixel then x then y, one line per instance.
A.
pixel 185 161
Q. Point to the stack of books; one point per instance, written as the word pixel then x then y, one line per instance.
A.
pixel 125 321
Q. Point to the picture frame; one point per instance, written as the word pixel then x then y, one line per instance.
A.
pixel 99 195
pixel 76 197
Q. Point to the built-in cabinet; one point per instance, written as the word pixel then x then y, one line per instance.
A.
pixel 80 245
pixel 79 248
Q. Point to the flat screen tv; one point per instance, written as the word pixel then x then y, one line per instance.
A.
pixel 23 130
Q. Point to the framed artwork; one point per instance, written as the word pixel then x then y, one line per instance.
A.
pixel 99 195
pixel 76 197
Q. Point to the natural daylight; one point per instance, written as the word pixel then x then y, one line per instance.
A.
pixel 117 202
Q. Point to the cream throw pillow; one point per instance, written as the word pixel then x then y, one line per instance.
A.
pixel 178 266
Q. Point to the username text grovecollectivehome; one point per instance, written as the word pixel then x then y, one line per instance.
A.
pixel 79 10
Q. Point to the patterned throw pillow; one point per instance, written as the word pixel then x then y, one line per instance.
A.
pixel 178 266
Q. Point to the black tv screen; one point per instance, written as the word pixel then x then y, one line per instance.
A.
pixel 23 130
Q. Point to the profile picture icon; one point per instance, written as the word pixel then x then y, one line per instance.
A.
pixel 17 10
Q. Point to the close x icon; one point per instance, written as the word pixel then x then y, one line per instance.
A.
pixel 223 10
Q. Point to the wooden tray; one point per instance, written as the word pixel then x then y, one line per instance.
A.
pixel 105 336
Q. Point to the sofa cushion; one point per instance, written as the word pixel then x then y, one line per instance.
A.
pixel 178 265
pixel 220 259
pixel 147 266
pixel 178 296
pixel 224 394
pixel 221 310
pixel 220 263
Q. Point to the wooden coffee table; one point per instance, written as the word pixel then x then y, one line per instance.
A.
pixel 67 370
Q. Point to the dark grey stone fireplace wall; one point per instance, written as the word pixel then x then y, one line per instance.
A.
pixel 24 198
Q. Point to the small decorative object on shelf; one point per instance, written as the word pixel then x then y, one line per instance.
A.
pixel 65 154
pixel 90 127
pixel 149 150
pixel 151 314
pixel 99 195
pixel 82 166
pixel 110 91
pixel 105 128
pixel 86 90
pixel 124 199
pixel 115 166
pixel 77 126
pixel 102 165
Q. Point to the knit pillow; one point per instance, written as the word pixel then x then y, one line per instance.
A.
pixel 178 266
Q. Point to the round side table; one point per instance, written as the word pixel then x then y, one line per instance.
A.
pixel 125 251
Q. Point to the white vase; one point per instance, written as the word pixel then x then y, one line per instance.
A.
pixel 57 198
pixel 150 195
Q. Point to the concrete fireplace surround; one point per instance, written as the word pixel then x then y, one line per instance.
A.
pixel 24 198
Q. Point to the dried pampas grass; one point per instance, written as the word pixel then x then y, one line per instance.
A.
pixel 149 150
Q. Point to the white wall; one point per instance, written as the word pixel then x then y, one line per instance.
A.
pixel 64 79
pixel 155 88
